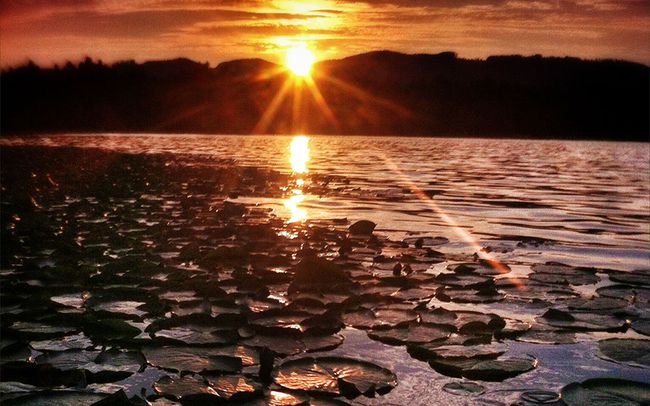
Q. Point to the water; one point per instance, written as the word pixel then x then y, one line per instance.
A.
pixel 522 202
pixel 577 202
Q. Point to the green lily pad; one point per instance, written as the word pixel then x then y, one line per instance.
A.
pixel 335 376
pixel 606 392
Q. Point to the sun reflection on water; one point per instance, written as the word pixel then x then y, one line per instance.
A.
pixel 299 154
pixel 298 157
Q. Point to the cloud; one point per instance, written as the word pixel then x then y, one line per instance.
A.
pixel 203 29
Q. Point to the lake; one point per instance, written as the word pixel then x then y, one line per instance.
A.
pixel 561 224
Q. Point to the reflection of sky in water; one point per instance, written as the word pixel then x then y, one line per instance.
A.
pixel 298 158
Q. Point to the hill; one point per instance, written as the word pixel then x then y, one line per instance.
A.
pixel 374 93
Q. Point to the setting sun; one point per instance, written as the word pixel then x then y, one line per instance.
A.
pixel 299 60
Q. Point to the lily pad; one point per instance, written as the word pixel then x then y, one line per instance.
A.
pixel 463 388
pixel 235 388
pixel 55 398
pixel 627 351
pixel 198 335
pixel 636 295
pixel 186 389
pixel 582 321
pixel 197 359
pixel 561 274
pixel 335 376
pixel 493 370
pixel 638 277
pixel 606 392
pixel 411 334
pixel 73 342
pixel 540 397
pixel 37 331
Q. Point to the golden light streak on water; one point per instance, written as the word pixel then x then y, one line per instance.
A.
pixel 299 157
pixel 461 232
pixel 292 203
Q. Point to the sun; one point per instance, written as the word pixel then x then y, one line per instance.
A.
pixel 299 60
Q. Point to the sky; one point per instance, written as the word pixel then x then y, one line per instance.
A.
pixel 53 31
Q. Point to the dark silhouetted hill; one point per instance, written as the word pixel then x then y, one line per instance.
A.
pixel 374 93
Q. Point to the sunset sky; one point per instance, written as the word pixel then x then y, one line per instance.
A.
pixel 215 31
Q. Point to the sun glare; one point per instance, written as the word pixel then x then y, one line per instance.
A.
pixel 299 151
pixel 299 60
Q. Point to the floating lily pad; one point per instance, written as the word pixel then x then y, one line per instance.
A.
pixel 481 369
pixel 639 277
pixel 480 268
pixel 596 304
pixel 282 346
pixel 111 329
pixel 73 342
pixel 126 308
pixel 606 392
pixel 582 321
pixel 68 360
pixel 463 388
pixel 540 397
pixel 627 351
pixel 321 343
pixel 235 388
pixel 561 274
pixel 55 398
pixel 35 330
pixel 198 359
pixel 75 300
pixel 198 335
pixel 335 376
pixel 642 326
pixel 636 295
pixel 411 334
pixel 186 389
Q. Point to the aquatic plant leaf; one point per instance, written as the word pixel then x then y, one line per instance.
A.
pixel 184 387
pixel 77 342
pixel 197 359
pixel 627 351
pixel 55 398
pixel 412 334
pixel 540 397
pixel 197 335
pixel 606 392
pixel 463 388
pixel 234 388
pixel 335 376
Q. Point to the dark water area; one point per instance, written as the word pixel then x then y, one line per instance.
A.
pixel 371 270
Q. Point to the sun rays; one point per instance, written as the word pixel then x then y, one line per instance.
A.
pixel 299 62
